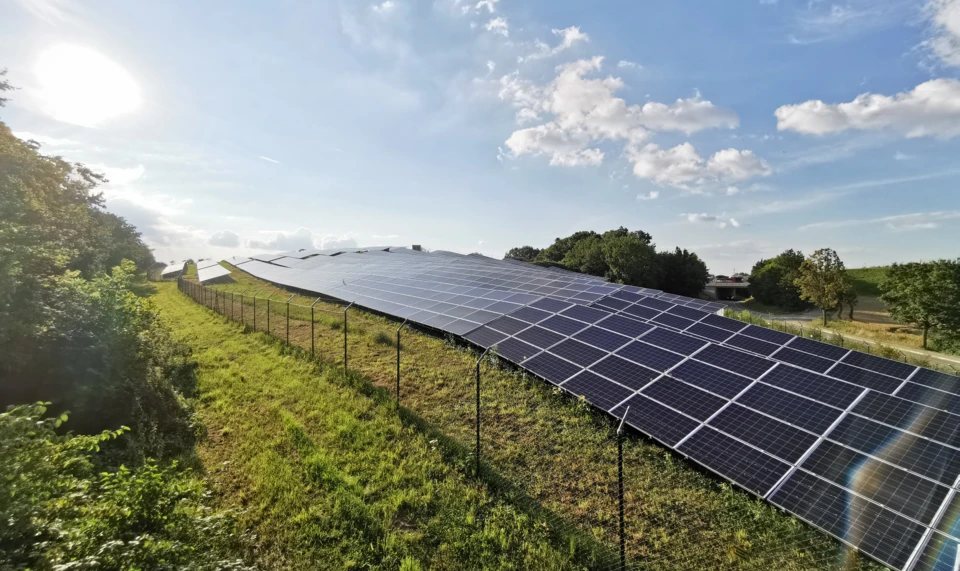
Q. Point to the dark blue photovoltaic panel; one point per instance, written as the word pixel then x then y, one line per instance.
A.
pixel 586 314
pixel 898 490
pixel 625 326
pixel 460 327
pixel 790 408
pixel 485 337
pixel 910 452
pixel 627 295
pixel 908 415
pixel 606 340
pixel 672 321
pixel 551 305
pixel 629 374
pixel 865 378
pixel 710 378
pixel 551 368
pixel 685 398
pixel 666 339
pixel 735 361
pixel 649 356
pixel 563 325
pixel 515 350
pixel 804 360
pixel 771 436
pixel 641 312
pixel 482 316
pixel 930 397
pixel 688 312
pixel 939 555
pixel 937 380
pixel 580 353
pixel 612 303
pixel 539 337
pixel 748 467
pixel 600 392
pixel 658 421
pixel 879 365
pixel 508 325
pixel 709 332
pixel 753 345
pixel 771 335
pixel 950 522
pixel 824 350
pixel 723 322
pixel 530 315
pixel 812 385
pixel 653 303
pixel 502 307
pixel 877 532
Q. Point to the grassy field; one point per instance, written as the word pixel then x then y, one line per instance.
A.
pixel 547 457
pixel 866 281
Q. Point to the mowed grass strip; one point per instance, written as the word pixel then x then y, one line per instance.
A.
pixel 329 478
pixel 555 451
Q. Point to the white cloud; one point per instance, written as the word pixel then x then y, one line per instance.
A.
pixel 269 160
pixel 224 238
pixel 284 241
pixel 945 38
pixel 899 156
pixel 585 111
pixel 385 236
pixel 682 167
pixel 491 65
pixel 835 21
pixel 734 223
pixel 44 140
pixel 499 26
pixel 930 109
pixel 568 38
pixel 732 190
pixel 118 175
pixel 490 5
pixel 652 195
pixel 718 221
pixel 897 223
pixel 628 64
pixel 384 7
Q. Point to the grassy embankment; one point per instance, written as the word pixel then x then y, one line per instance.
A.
pixel 543 450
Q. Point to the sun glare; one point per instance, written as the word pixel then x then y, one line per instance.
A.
pixel 82 86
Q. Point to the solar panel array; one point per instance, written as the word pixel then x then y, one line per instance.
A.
pixel 209 270
pixel 173 268
pixel 866 448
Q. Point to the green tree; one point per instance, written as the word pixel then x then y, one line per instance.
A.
pixel 561 246
pixel 4 86
pixel 523 253
pixel 587 256
pixel 683 273
pixel 773 281
pixel 823 280
pixel 632 261
pixel 925 294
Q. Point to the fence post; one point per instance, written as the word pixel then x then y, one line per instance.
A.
pixel 313 338
pixel 268 313
pixel 402 325
pixel 345 337
pixel 288 318
pixel 255 310
pixel 623 538
pixel 477 468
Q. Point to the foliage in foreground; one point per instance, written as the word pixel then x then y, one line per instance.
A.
pixel 59 513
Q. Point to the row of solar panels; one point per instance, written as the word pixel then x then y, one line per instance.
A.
pixel 208 270
pixel 866 448
pixel 173 269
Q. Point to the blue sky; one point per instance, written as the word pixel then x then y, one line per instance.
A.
pixel 734 128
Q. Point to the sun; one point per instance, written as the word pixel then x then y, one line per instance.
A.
pixel 82 86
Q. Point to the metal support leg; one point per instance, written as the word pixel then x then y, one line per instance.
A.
pixel 623 538
pixel 477 452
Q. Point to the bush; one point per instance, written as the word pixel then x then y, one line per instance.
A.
pixel 58 513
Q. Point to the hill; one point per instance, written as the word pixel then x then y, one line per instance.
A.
pixel 866 281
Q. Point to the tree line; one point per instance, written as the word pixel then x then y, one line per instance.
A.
pixel 622 256
pixel 77 343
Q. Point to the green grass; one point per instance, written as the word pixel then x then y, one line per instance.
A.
pixel 546 456
pixel 866 281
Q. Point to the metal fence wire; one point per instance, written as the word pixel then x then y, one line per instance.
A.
pixel 602 494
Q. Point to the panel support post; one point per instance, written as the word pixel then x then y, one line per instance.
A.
pixel 476 472
pixel 623 538
pixel 398 360
pixel 254 312
pixel 313 338
pixel 288 317
pixel 345 336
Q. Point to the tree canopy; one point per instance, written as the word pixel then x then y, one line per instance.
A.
pixel 773 281
pixel 623 256
pixel 823 280
pixel 924 294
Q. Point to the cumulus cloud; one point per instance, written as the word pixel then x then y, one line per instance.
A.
pixel 385 7
pixel 568 38
pixel 224 238
pixel 499 26
pixel 629 64
pixel 490 5
pixel 930 109
pixel 944 42
pixel 283 241
pixel 897 223
pixel 585 111
pixel 682 167
pixel 652 195
pixel 718 221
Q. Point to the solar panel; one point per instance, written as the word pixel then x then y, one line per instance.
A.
pixel 804 423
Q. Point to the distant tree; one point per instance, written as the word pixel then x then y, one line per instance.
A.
pixel 849 299
pixel 925 294
pixel 624 232
pixel 773 281
pixel 632 261
pixel 523 253
pixel 557 251
pixel 587 257
pixel 823 280
pixel 4 86
pixel 683 273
